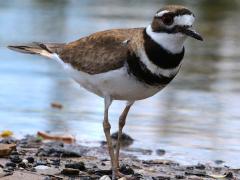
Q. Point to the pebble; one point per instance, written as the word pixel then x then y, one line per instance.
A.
pixel 78 165
pixel 105 177
pixel 179 176
pixel 22 165
pixel 30 159
pixel 38 163
pixel 14 152
pixel 200 166
pixel 8 164
pixel 55 162
pixel 15 159
pixel 25 161
pixel 160 152
pixel 161 178
pixel 70 171
pixel 122 178
pixel 218 162
pixel 229 175
pixel 127 170
pixel 41 167
pixel 6 149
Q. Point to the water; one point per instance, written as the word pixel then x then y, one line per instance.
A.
pixel 195 119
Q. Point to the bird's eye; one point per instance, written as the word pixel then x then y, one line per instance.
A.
pixel 167 19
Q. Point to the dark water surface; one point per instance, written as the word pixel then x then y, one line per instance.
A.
pixel 195 119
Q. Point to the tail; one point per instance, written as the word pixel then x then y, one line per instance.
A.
pixel 43 49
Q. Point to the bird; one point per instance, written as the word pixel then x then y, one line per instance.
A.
pixel 128 64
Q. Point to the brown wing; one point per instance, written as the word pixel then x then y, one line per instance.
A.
pixel 99 52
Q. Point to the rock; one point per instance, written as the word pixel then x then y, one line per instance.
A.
pixel 10 164
pixel 30 142
pixel 30 160
pixel 14 152
pixel 196 173
pixel 25 161
pixel 40 163
pixel 70 171
pixel 218 162
pixel 200 166
pixel 6 149
pixel 3 173
pixel 229 175
pixel 55 162
pixel 78 165
pixel 126 140
pixel 127 170
pixel 160 152
pixel 22 165
pixel 161 178
pixel 41 167
pixel 15 159
pixel 122 178
pixel 56 149
pixel 105 177
pixel 179 176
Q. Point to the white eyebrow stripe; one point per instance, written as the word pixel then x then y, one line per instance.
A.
pixel 184 20
pixel 161 13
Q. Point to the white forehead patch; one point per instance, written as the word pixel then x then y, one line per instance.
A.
pixel 161 13
pixel 184 20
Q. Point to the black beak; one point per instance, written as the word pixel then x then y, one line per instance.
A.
pixel 192 33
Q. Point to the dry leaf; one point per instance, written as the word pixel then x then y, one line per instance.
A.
pixel 64 138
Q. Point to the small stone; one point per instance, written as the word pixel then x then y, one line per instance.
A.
pixel 161 178
pixel 105 177
pixel 10 164
pixel 160 152
pixel 122 178
pixel 41 167
pixel 14 152
pixel 25 161
pixel 78 165
pixel 127 170
pixel 48 178
pixel 6 149
pixel 179 176
pixel 15 159
pixel 55 162
pixel 9 169
pixel 38 163
pixel 190 168
pixel 70 171
pixel 200 166
pixel 30 160
pixel 218 162
pixel 22 165
pixel 229 175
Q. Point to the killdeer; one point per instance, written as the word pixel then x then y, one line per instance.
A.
pixel 124 64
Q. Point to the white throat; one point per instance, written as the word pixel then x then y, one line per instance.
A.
pixel 170 42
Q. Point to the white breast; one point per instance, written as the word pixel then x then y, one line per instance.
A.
pixel 116 83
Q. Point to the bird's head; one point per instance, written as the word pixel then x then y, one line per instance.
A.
pixel 173 24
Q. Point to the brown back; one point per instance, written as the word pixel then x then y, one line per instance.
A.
pixel 99 52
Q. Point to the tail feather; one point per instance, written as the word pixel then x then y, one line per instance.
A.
pixel 43 49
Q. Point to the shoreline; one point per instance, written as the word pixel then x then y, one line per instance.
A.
pixel 37 159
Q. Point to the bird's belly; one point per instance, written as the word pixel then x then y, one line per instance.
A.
pixel 116 83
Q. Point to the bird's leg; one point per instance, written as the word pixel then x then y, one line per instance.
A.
pixel 122 121
pixel 107 127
